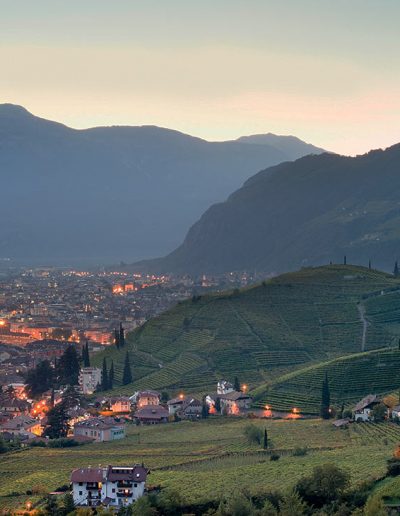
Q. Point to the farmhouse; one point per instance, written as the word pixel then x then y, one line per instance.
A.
pixel 143 398
pixel 152 415
pixel 185 407
pixel 112 486
pixel 223 387
pixel 396 412
pixel 100 429
pixel 14 406
pixel 120 405
pixel 363 410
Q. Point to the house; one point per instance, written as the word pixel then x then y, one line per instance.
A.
pixel 89 379
pixel 144 398
pixel 363 410
pixel 14 406
pixel 396 412
pixel 185 407
pixel 152 415
pixel 175 404
pixel 223 387
pixel 120 404
pixel 232 402
pixel 111 486
pixel 101 428
pixel 21 425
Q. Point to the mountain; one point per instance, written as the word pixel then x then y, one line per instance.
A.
pixel 291 321
pixel 308 212
pixel 112 193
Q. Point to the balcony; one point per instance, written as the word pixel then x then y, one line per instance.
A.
pixel 122 494
pixel 124 485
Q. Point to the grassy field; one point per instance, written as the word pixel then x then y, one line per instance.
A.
pixel 350 378
pixel 209 458
pixel 263 332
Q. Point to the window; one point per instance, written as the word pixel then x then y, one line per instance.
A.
pixel 80 493
pixel 113 490
pixel 134 485
pixel 81 483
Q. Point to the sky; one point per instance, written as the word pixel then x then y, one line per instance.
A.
pixel 326 71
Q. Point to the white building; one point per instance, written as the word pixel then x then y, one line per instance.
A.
pixel 89 379
pixel 363 410
pixel 223 387
pixel 112 486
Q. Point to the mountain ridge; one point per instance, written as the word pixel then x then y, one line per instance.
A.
pixel 115 193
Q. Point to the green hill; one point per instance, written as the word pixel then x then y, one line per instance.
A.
pixel 260 333
pixel 350 379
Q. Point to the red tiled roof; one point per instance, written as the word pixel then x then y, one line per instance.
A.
pixel 152 412
pixel 87 475
pixel 135 473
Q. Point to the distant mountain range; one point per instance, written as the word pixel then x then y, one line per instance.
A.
pixel 114 193
pixel 308 212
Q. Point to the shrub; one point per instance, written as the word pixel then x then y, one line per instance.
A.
pixel 347 414
pixel 38 444
pixel 393 467
pixel 275 456
pixel 253 434
pixel 300 452
pixel 62 442
pixel 324 485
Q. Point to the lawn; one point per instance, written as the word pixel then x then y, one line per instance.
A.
pixel 208 458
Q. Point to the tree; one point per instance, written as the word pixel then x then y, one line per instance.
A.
pixel 396 269
pixel 116 338
pixel 265 439
pixel 57 422
pixel 375 507
pixel 236 384
pixel 326 483
pixel 40 379
pixel 268 509
pixel 164 396
pixel 71 397
pixel 217 405
pixel 325 398
pixel 85 355
pixel 239 504
pixel 121 335
pixel 379 413
pixel 292 505
pixel 253 433
pixel 111 375
pixel 345 260
pixel 3 446
pixel 68 367
pixel 127 374
pixel 205 410
pixel 369 265
pixel 143 507
pixel 104 376
pixel 68 503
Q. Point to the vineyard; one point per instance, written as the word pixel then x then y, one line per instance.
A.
pixel 208 458
pixel 350 378
pixel 262 332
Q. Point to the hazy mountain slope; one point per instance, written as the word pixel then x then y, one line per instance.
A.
pixel 111 193
pixel 308 212
pixel 259 333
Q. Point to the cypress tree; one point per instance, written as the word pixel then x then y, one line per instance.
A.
pixel 345 260
pixel 85 355
pixel 121 335
pixel 369 265
pixel 265 439
pixel 218 405
pixel 127 374
pixel 325 398
pixel 68 367
pixel 104 376
pixel 396 269
pixel 111 375
pixel 236 384
pixel 204 410
pixel 116 338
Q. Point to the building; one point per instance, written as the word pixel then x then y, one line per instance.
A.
pixel 232 402
pixel 14 406
pixel 185 407
pixel 100 429
pixel 112 486
pixel 144 398
pixel 363 410
pixel 22 425
pixel 396 412
pixel 89 379
pixel 223 387
pixel 120 405
pixel 152 415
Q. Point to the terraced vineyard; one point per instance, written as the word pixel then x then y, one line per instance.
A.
pixel 350 378
pixel 207 459
pixel 259 333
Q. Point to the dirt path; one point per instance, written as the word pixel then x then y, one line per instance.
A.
pixel 361 311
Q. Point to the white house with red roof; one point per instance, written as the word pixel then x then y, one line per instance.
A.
pixel 111 486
